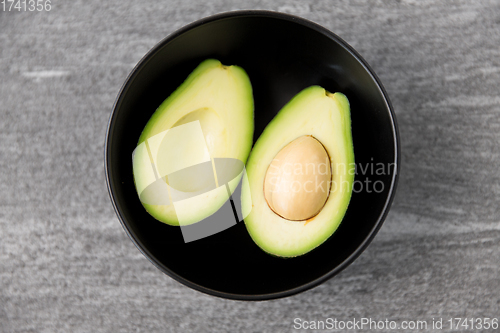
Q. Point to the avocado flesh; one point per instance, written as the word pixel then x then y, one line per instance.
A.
pixel 326 117
pixel 209 116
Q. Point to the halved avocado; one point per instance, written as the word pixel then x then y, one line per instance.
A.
pixel 209 116
pixel 300 174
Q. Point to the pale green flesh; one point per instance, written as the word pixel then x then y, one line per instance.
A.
pixel 326 117
pixel 219 99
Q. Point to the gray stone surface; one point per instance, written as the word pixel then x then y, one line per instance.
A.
pixel 66 264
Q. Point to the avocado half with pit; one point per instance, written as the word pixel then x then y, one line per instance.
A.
pixel 209 116
pixel 300 174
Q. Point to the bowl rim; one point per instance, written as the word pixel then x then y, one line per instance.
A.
pixel 265 14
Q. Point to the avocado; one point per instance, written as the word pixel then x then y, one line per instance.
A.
pixel 300 174
pixel 208 117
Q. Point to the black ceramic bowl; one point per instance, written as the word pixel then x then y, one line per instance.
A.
pixel 282 55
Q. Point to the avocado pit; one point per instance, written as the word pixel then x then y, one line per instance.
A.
pixel 297 182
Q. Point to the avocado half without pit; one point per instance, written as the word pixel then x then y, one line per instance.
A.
pixel 208 117
pixel 300 174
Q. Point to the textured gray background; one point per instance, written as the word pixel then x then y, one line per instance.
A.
pixel 66 264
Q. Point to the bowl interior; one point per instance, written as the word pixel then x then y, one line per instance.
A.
pixel 282 56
